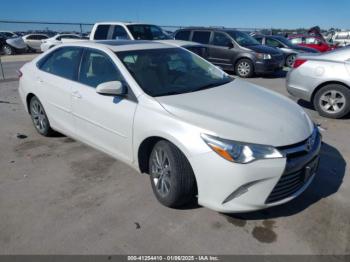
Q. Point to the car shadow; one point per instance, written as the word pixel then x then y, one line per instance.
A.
pixel 277 74
pixel 327 182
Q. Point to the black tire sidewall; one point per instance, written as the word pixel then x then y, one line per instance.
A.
pixel 10 48
pixel 176 196
pixel 251 72
pixel 339 88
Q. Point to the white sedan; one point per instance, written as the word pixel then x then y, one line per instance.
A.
pixel 169 113
pixel 58 39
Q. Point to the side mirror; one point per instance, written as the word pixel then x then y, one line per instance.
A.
pixel 115 88
pixel 230 45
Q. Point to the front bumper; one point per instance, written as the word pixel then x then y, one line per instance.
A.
pixel 269 65
pixel 228 187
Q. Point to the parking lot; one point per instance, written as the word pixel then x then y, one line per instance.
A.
pixel 58 196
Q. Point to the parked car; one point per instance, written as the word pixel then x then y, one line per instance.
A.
pixel 234 50
pixel 324 80
pixel 58 39
pixel 11 45
pixel 34 41
pixel 312 42
pixel 9 34
pixel 341 38
pixel 169 113
pixel 137 31
pixel 290 50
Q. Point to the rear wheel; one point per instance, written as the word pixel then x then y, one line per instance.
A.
pixel 333 101
pixel 244 68
pixel 8 50
pixel 290 60
pixel 39 117
pixel 171 175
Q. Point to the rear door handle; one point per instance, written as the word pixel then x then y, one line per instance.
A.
pixel 76 94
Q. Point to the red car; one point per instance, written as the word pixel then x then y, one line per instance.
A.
pixel 311 41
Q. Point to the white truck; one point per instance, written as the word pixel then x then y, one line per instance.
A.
pixel 140 31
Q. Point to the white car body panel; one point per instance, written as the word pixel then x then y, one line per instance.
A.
pixel 53 41
pixel 118 126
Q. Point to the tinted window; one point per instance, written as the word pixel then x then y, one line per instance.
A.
pixel 63 62
pixel 31 37
pixel 201 37
pixel 170 71
pixel 97 68
pixel 101 32
pixel 119 33
pixel 147 32
pixel 221 39
pixel 40 37
pixel 242 38
pixel 272 42
pixel 183 35
pixel 259 39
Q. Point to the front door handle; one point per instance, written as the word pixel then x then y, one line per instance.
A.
pixel 76 94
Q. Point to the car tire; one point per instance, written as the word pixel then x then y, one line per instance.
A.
pixel 39 117
pixel 171 175
pixel 332 101
pixel 244 68
pixel 290 60
pixel 8 50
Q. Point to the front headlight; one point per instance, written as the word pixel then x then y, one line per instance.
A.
pixel 240 152
pixel 263 56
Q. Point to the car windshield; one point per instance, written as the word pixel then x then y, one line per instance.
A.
pixel 147 32
pixel 284 40
pixel 242 38
pixel 170 71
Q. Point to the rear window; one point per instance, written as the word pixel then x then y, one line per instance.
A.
pixel 201 37
pixel 101 32
pixel 183 35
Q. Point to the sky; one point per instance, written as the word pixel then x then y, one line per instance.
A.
pixel 229 13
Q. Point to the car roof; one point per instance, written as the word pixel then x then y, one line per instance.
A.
pixel 221 29
pixel 121 23
pixel 122 45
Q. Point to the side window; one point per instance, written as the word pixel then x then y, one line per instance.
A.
pixel 31 37
pixel 63 62
pixel 310 40
pixel 272 43
pixel 221 39
pixel 41 37
pixel 183 35
pixel 101 32
pixel 259 39
pixel 296 40
pixel 119 33
pixel 97 68
pixel 201 37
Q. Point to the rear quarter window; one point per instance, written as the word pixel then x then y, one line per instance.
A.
pixel 101 32
pixel 201 37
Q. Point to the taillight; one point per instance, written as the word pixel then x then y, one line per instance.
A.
pixel 20 74
pixel 298 62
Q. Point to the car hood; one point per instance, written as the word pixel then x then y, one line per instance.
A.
pixel 304 49
pixel 244 112
pixel 16 42
pixel 264 49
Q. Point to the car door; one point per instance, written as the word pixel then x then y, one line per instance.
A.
pixel 221 50
pixel 56 77
pixel 38 41
pixel 103 121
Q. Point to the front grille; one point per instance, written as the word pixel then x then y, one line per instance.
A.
pixel 302 163
pixel 291 183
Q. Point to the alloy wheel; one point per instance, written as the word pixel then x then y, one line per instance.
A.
pixel 7 50
pixel 38 116
pixel 161 172
pixel 290 60
pixel 332 101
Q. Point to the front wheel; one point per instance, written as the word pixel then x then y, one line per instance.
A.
pixel 39 117
pixel 8 50
pixel 244 68
pixel 290 60
pixel 332 101
pixel 171 175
